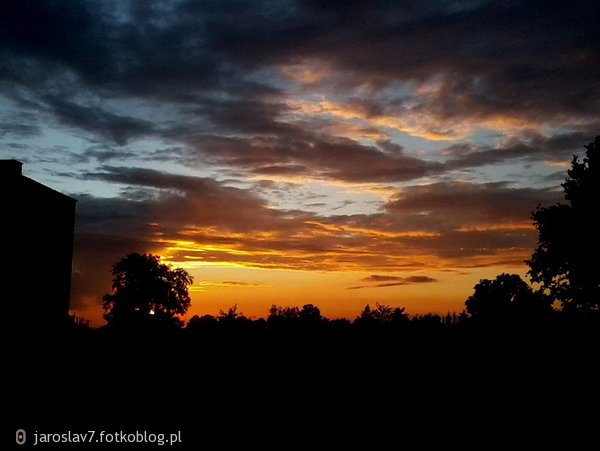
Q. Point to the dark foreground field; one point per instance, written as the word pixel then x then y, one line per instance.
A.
pixel 373 388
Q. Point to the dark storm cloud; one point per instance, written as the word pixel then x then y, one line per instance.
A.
pixel 521 58
pixel 249 114
pixel 209 62
pixel 16 125
pixel 16 129
pixel 112 216
pixel 196 201
pixel 124 47
pixel 554 177
pixel 51 33
pixel 116 128
pixel 150 177
pixel 350 161
pixel 319 156
pixel 460 204
pixel 525 58
pixel 103 154
pixel 560 147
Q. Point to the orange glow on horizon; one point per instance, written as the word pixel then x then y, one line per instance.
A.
pixel 218 286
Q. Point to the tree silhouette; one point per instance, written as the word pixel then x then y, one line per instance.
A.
pixel 204 323
pixel 506 297
pixel 231 314
pixel 281 315
pixel 146 291
pixel 569 238
pixel 310 314
pixel 382 314
pixel 294 319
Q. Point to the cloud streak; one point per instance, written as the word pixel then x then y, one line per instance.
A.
pixel 379 281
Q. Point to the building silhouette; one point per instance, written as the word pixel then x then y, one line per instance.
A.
pixel 37 231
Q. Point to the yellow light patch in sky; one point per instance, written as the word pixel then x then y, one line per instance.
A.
pixel 374 232
pixel 506 227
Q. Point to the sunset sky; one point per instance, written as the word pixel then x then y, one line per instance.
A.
pixel 293 152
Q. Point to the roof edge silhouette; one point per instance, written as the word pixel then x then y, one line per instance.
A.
pixel 14 168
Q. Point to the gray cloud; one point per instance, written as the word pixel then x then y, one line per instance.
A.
pixel 319 156
pixel 116 128
pixel 560 147
pixel 450 205
pixel 17 129
pixel 379 281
